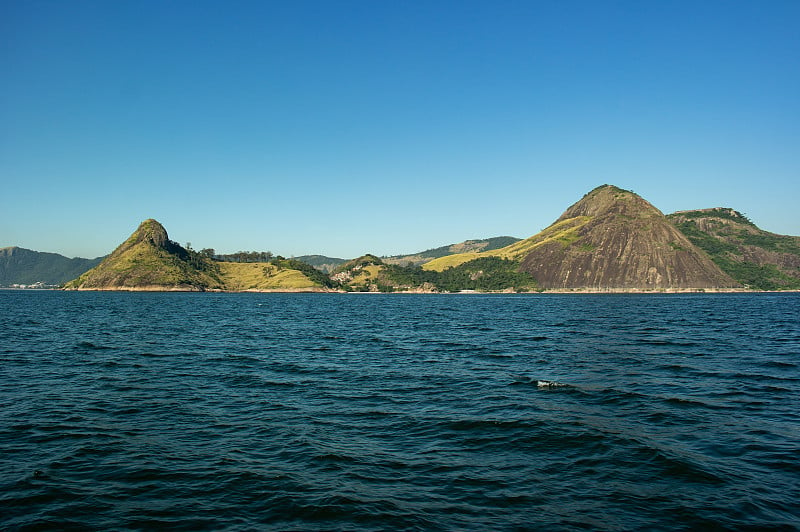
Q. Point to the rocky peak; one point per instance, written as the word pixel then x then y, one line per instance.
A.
pixel 151 231
pixel 610 200
pixel 618 240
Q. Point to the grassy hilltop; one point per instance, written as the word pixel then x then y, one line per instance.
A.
pixel 149 260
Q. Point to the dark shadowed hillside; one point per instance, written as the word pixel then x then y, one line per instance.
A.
pixel 23 266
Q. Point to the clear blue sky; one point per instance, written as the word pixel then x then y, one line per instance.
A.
pixel 346 127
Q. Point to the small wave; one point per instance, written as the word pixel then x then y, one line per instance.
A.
pixel 245 380
pixel 334 457
pixel 682 402
pixel 152 355
pixel 92 346
pixel 496 355
pixel 488 424
pixel 684 468
pixel 778 364
pixel 373 414
pixel 669 343
pixel 291 367
pixel 280 384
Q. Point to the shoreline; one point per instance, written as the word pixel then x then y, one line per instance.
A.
pixel 560 291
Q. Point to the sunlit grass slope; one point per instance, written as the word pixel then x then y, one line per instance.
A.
pixel 564 231
pixel 263 276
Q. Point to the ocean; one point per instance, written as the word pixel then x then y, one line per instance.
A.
pixel 214 411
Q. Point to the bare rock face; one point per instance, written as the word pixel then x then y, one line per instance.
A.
pixel 620 241
pixel 151 231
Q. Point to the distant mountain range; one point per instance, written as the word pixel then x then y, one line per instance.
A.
pixel 469 246
pixel 610 240
pixel 22 266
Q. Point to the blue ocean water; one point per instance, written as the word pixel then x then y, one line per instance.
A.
pixel 399 412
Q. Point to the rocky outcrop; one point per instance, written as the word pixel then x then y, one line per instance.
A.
pixel 617 240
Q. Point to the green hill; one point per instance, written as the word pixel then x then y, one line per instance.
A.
pixel 756 258
pixel 367 273
pixel 279 274
pixel 24 266
pixel 488 274
pixel 149 260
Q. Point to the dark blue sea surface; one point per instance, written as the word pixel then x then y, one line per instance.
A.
pixel 399 412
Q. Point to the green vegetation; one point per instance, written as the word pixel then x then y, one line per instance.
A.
pixel 719 212
pixel 149 266
pixel 316 276
pixel 359 263
pixel 150 260
pixel 708 243
pixel 751 275
pixel 567 238
pixel 239 256
pixel 735 243
pixel 484 274
pixel 771 242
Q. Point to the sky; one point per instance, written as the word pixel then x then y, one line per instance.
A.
pixel 349 127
